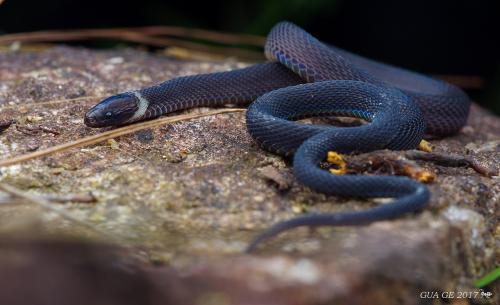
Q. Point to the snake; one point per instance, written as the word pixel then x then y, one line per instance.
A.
pixel 303 78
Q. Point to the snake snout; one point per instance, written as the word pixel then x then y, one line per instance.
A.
pixel 115 110
pixel 90 119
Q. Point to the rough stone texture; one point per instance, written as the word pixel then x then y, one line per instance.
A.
pixel 187 197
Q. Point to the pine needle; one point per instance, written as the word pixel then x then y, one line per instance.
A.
pixel 111 134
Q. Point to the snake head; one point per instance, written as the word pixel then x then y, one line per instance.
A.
pixel 115 110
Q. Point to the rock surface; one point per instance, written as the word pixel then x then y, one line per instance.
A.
pixel 187 197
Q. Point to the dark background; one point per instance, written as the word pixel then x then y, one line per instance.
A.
pixel 437 37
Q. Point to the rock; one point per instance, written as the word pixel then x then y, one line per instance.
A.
pixel 188 197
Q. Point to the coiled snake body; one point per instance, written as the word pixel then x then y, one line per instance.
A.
pixel 306 78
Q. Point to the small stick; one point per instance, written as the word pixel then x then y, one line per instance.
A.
pixel 132 36
pixel 401 166
pixel 28 129
pixel 80 198
pixel 49 207
pixel 452 161
pixel 78 34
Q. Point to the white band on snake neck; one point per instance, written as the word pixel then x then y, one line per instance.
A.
pixel 141 107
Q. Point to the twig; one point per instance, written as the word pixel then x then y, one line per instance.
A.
pixel 221 37
pixel 48 206
pixel 392 163
pixel 463 81
pixel 452 161
pixel 60 198
pixel 112 134
pixel 133 35
pixel 80 198
pixel 28 129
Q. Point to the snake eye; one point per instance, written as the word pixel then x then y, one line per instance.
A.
pixel 108 114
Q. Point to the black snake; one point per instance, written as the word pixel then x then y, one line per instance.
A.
pixel 304 78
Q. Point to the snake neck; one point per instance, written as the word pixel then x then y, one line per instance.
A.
pixel 237 87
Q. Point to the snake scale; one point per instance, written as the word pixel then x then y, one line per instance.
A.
pixel 305 77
